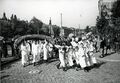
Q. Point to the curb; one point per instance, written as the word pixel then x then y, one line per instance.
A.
pixel 108 60
pixel 10 61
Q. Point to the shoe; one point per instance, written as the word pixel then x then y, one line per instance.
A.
pixel 34 64
pixel 101 56
pixel 64 69
pixel 86 69
pixel 77 69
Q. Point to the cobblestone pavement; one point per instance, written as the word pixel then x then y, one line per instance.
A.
pixel 108 72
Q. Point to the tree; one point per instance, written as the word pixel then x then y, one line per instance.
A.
pixel 4 16
pixel 36 25
pixel 101 25
pixel 116 9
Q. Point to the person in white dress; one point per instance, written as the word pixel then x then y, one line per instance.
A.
pixel 35 52
pixel 24 54
pixel 28 50
pixel 85 58
pixel 82 56
pixel 40 49
pixel 93 60
pixel 72 56
pixel 61 57
pixel 45 50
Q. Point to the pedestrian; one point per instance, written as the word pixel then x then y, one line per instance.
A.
pixel 102 47
pixel 108 47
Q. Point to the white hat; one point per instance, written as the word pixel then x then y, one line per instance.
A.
pixel 84 37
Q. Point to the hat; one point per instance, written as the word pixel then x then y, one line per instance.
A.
pixel 84 37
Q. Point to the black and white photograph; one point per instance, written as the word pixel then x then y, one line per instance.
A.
pixel 59 41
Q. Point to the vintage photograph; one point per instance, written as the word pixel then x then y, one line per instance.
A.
pixel 59 41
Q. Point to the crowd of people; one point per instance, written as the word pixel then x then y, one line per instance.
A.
pixel 37 49
pixel 75 52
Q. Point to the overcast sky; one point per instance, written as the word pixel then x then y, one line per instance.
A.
pixel 75 12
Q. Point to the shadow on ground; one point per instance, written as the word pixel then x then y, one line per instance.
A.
pixel 8 65
pixel 5 76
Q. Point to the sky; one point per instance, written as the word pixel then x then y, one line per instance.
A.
pixel 74 12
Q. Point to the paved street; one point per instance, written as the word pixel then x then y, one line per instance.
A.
pixel 108 72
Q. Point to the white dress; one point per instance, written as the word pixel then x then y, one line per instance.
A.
pixel 35 52
pixel 45 51
pixel 61 55
pixel 91 54
pixel 24 54
pixel 82 57
pixel 70 56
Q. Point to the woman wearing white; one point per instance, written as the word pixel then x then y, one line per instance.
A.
pixel 45 50
pixel 70 56
pixel 35 52
pixel 91 54
pixel 24 54
pixel 28 50
pixel 40 47
pixel 81 55
pixel 61 57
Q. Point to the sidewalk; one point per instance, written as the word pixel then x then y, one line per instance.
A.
pixel 111 57
pixel 8 60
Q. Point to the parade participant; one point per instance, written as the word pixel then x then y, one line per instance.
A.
pixel 40 49
pixel 61 57
pixel 93 60
pixel 45 50
pixel 95 43
pixel 76 52
pixel 70 56
pixel 24 54
pixel 81 56
pixel 28 48
pixel 98 44
pixel 50 50
pixel 35 52
pixel 74 45
pixel 108 47
pixel 86 57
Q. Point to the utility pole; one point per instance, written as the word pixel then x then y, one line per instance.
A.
pixel 51 32
pixel 61 20
pixel 61 29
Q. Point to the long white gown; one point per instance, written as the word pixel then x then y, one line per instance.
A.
pixel 70 56
pixel 61 55
pixel 91 54
pixel 45 51
pixel 24 54
pixel 35 52
pixel 82 57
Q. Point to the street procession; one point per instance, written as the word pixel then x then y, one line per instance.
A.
pixel 59 41
pixel 79 51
